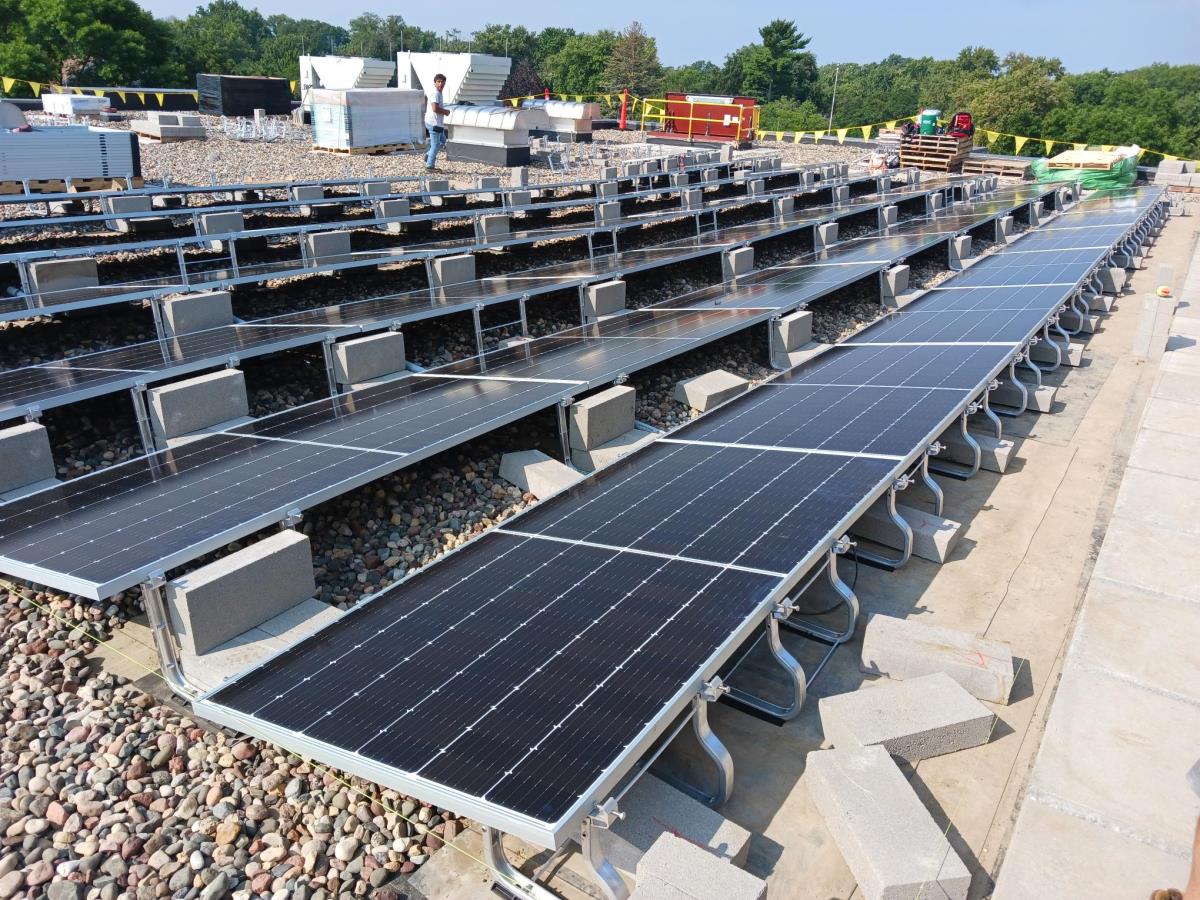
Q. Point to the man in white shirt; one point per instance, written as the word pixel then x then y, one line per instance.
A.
pixel 433 121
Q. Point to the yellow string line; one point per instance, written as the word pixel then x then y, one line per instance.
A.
pixel 318 768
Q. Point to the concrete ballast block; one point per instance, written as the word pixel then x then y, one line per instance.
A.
pixel 912 720
pixel 494 228
pixel 785 206
pixel 393 209
pixel 674 868
pixel 960 250
pixel 604 299
pixel 376 188
pixel 1004 229
pixel 791 332
pixel 197 312
pixel 693 198
pixel 367 358
pixel 307 193
pixel 594 458
pixel 449 270
pixel 607 189
pixel 328 248
pixel 994 452
pixel 608 214
pixel 221 223
pixel 738 261
pixel 25 456
pixel 895 283
pixel 888 216
pixel 934 537
pixel 234 594
pixel 887 837
pixel 825 234
pixel 841 193
pixel 537 473
pixel 901 648
pixel 710 389
pixel 598 419
pixel 63 280
pixel 197 403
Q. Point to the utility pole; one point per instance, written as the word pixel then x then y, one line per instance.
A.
pixel 833 101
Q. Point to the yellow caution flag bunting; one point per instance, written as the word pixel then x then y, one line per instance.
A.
pixel 141 96
pixel 799 136
pixel 841 133
pixel 196 96
pixel 37 88
pixel 817 135
pixel 99 92
pixel 1079 146
pixel 866 131
pixel 1049 146
pixel 1020 141
pixel 8 84
pixel 1107 148
pixel 891 124
pixel 121 94
pixel 160 99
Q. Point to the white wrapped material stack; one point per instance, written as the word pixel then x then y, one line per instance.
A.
pixel 366 117
pixel 73 104
pixel 569 121
pixel 71 151
pixel 497 135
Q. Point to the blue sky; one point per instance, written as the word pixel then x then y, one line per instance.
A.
pixel 1085 35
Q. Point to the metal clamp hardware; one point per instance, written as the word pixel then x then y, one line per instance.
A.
pixel 784 608
pixel 565 402
pixel 395 326
pixel 1036 339
pixel 936 447
pixel 974 406
pixel 994 384
pixel 621 378
pixel 292 518
pixel 33 412
pixel 1019 356
pixel 605 814
pixel 901 483
pixel 843 545
pixel 713 690
pixel 232 362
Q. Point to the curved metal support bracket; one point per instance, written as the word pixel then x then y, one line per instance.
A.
pixel 1049 342
pixel 935 489
pixel 962 473
pixel 1033 367
pixel 604 873
pixel 164 638
pixel 1016 383
pixel 711 744
pixel 797 683
pixel 510 880
pixel 986 409
pixel 906 536
pixel 849 600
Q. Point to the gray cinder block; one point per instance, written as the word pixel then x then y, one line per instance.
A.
pixel 785 206
pixel 934 202
pixel 710 389
pixel 841 193
pixel 234 594
pixel 738 261
pixel 1004 229
pixel 221 223
pixel 307 193
pixel 674 868
pixel 710 175
pixel 136 203
pixel 693 198
pixel 610 451
pixel 493 228
pixel 327 248
pixel 601 417
pixel 900 649
pixel 376 188
pixel 63 280
pixel 960 250
pixel 650 167
pixel 808 178
pixel 453 269
pixel 608 173
pixel 603 299
pixel 1035 213
pixel 791 332
pixel 756 187
pixel 895 283
pixel 1171 167
pixel 197 403
pixel 520 198
pixel 679 179
pixel 367 358
pixel 652 807
pixel 25 456
pixel 825 234
pixel 887 837
pixel 196 312
pixel 518 177
pixel 393 209
pixel 631 169
pixel 606 189
pixel 436 184
pixel 912 720
pixel 608 214
pixel 888 216
pixel 535 472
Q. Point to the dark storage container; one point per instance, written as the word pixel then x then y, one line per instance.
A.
pixel 240 95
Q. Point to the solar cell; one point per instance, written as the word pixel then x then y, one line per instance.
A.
pixel 941 368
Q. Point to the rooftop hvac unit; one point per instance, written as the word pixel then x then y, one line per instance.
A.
pixel 72 151
pixel 343 73
pixel 73 104
pixel 569 121
pixel 368 117
pixel 470 77
pixel 241 95
pixel 498 135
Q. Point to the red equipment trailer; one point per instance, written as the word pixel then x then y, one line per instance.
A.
pixel 704 119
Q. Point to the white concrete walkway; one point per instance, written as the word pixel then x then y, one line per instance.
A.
pixel 1108 811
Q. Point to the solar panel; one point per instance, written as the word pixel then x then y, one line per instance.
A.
pixel 949 298
pixel 1010 327
pixel 940 368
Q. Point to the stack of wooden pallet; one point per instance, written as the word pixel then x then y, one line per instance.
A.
pixel 996 164
pixel 940 152
pixel 1102 160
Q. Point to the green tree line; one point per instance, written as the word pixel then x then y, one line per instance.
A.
pixel 109 42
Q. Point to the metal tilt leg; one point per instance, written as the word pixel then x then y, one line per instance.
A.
pixel 935 489
pixel 797 683
pixel 716 751
pixel 1016 383
pixel 965 471
pixel 848 599
pixel 141 412
pixel 564 433
pixel 164 641
pixel 510 880
pixel 906 536
pixel 604 874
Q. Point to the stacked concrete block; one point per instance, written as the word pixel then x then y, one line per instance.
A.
pixel 887 837
pixel 912 720
pixel 608 214
pixel 448 270
pixel 137 203
pixel 64 280
pixel 536 473
pixel 737 261
pixel 221 223
pixel 436 188
pixel 196 404
pixel 902 649
pixel 362 360
pixel 676 869
pixel 607 189
pixel 894 282
pixel 169 127
pixel 960 251
pixel 604 299
pixel 825 234
pixel 197 312
pixel 26 463
pixel 307 196
pixel 327 248
pixel 240 591
pixel 493 228
pixel 653 808
pixel 703 392
pixel 393 209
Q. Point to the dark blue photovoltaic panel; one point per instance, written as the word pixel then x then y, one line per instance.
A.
pixel 884 420
pixel 988 299
pixel 1007 326
pixel 955 368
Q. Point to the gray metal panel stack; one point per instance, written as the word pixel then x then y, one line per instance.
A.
pixel 72 151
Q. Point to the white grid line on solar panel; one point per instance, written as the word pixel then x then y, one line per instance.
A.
pixel 497 378
pixel 815 451
pixel 829 265
pixel 60 367
pixel 992 287
pixel 180 458
pixel 865 361
pixel 673 557
pixel 838 384
pixel 598 493
pixel 1010 251
pixel 326 444
pixel 939 343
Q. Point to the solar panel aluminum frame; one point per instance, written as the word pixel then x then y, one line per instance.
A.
pixel 553 835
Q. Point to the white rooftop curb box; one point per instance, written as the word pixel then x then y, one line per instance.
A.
pixel 912 720
pixel 676 869
pixel 887 837
pixel 901 648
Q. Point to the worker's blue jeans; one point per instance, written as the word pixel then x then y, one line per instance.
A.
pixel 437 140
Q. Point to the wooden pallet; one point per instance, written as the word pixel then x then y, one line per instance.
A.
pixel 1084 159
pixel 374 150
pixel 59 185
pixel 1015 168
pixel 938 152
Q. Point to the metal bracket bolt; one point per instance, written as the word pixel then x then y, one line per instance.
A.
pixel 936 447
pixel 605 814
pixel 33 412
pixel 994 385
pixel 784 609
pixel 292 518
pixel 713 690
pixel 843 545
pixel 901 483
